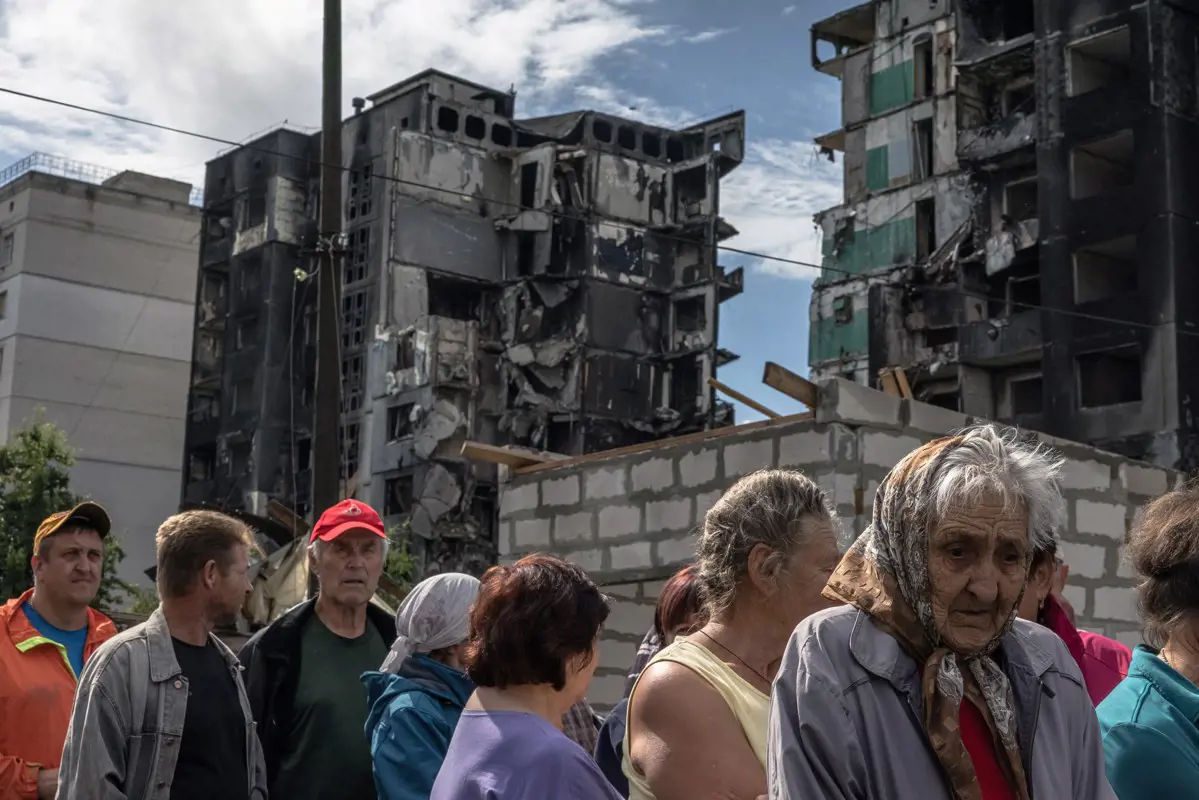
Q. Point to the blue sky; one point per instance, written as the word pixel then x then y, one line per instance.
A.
pixel 664 61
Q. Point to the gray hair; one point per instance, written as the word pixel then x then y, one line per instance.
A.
pixel 765 507
pixel 988 460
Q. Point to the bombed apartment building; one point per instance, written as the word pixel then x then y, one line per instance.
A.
pixel 1018 231
pixel 550 283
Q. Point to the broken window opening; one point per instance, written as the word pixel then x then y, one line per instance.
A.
pixel 924 148
pixel 209 349
pixel 1099 61
pixel 1109 377
pixel 359 202
pixel 405 353
pixel 303 454
pixel 213 303
pixel 1026 396
pixel 255 210
pixel 501 135
pixel 526 253
pixel 926 228
pixel 528 184
pixel 447 119
pixel 685 382
pixel 348 441
pixel 940 337
pixel 243 396
pixel 455 298
pixel 1020 199
pixel 399 421
pixel 922 63
pixel 403 123
pixel 475 127
pixel 1023 294
pixel 353 319
pixel 843 310
pixel 249 271
pixel 690 314
pixel 1106 270
pixel 352 382
pixel 216 225
pixel 1019 18
pixel 205 406
pixel 626 137
pixel 399 495
pixel 690 190
pixel 651 144
pixel 1018 99
pixel 356 265
pixel 201 464
pixel 602 131
pixel 1103 166
pixel 560 436
pixel 240 456
pixel 245 334
pixel 675 150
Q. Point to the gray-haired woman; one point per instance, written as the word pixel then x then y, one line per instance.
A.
pixel 926 685
pixel 697 714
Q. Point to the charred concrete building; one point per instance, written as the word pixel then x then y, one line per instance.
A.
pixel 550 283
pixel 1019 225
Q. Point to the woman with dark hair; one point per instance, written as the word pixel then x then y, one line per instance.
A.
pixel 679 612
pixel 532 650
pixel 1150 736
pixel 1102 661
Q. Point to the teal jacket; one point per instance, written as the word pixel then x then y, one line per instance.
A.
pixel 1150 738
pixel 411 719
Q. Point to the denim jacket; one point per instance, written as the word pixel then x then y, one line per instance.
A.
pixel 127 722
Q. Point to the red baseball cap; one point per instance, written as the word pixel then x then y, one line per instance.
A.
pixel 348 515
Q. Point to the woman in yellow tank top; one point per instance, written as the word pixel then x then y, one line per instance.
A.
pixel 698 714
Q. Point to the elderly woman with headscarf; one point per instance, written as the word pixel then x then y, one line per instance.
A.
pixel 697 716
pixel 418 695
pixel 925 685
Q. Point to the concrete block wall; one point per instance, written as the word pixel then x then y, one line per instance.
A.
pixel 630 519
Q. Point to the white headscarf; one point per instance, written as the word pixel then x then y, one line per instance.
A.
pixel 433 615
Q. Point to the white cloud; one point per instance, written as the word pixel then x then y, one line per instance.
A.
pixel 788 11
pixel 232 68
pixel 708 35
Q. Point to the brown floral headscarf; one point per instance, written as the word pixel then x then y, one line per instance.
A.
pixel 885 574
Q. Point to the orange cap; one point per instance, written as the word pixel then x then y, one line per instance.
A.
pixel 88 514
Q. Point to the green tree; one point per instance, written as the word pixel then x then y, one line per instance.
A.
pixel 35 482
pixel 400 566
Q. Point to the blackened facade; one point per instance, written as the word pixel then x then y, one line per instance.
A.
pixel 1046 274
pixel 550 283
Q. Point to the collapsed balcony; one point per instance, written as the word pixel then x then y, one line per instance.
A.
pixel 843 33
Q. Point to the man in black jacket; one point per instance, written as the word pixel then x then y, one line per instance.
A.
pixel 302 670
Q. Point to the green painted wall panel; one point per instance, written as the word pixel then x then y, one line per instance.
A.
pixel 878 168
pixel 867 250
pixel 829 341
pixel 892 87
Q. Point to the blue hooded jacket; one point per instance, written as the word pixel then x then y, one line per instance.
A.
pixel 411 719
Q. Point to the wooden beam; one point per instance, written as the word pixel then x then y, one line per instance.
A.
pixel 888 383
pixel 797 387
pixel 740 398
pixel 901 378
pixel 673 441
pixel 513 457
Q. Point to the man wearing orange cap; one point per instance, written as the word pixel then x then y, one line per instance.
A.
pixel 46 635
pixel 302 670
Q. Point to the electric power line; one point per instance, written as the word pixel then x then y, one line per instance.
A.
pixel 965 293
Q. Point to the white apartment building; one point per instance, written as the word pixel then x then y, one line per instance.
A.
pixel 97 299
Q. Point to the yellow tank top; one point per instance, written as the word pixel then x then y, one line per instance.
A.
pixel 748 704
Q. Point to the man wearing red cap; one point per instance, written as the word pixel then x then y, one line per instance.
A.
pixel 303 669
pixel 46 635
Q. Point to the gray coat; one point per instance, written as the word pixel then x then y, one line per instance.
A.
pixel 845 717
pixel 128 720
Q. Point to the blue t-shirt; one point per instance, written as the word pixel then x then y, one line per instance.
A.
pixel 510 755
pixel 73 641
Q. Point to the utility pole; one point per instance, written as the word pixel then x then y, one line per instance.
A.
pixel 326 455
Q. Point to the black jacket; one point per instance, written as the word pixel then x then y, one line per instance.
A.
pixel 272 674
pixel 609 749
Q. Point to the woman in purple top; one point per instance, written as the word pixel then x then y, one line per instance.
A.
pixel 533 647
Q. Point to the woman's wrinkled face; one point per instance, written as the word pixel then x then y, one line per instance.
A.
pixel 977 567
pixel 803 580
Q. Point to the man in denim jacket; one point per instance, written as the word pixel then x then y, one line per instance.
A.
pixel 161 712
